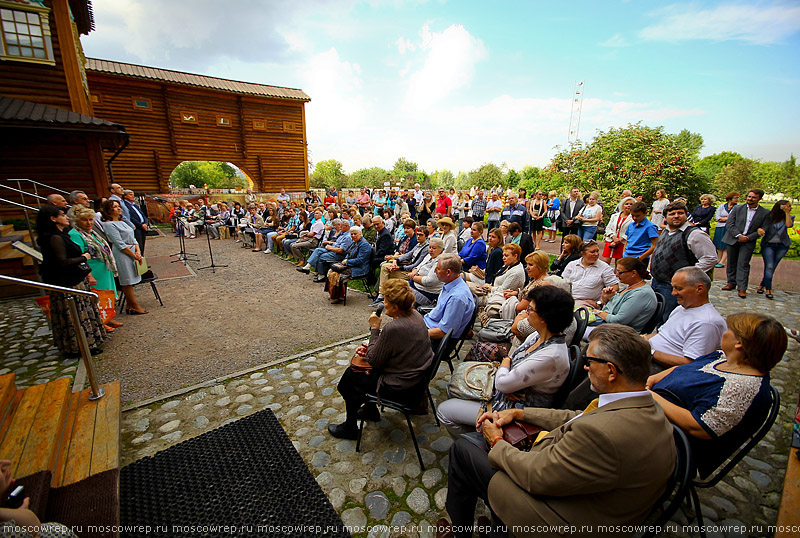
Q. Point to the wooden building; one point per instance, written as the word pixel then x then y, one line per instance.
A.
pixel 174 117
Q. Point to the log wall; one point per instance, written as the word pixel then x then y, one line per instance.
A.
pixel 255 137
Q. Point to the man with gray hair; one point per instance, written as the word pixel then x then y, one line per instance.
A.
pixel 330 252
pixel 693 329
pixel 137 217
pixel 455 305
pixel 117 193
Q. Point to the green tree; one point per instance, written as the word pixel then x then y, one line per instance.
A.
pixel 328 173
pixel 214 174
pixel 708 167
pixel 443 178
pixel 512 178
pixel 404 167
pixel 691 142
pixel 373 177
pixel 487 176
pixel 738 176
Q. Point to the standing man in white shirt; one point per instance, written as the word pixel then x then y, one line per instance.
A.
pixel 494 208
pixel 741 234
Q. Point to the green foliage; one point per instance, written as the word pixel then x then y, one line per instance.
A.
pixel 691 142
pixel 369 177
pixel 215 174
pixel 404 168
pixel 709 167
pixel 19 224
pixel 443 178
pixel 640 158
pixel 738 176
pixel 328 173
pixel 486 177
pixel 512 178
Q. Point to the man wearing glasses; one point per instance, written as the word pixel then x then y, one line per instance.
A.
pixel 607 465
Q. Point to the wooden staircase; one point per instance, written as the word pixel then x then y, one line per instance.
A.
pixel 47 427
pixel 14 262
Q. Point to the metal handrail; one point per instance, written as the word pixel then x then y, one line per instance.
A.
pixel 23 206
pixel 38 183
pixel 83 343
pixel 22 192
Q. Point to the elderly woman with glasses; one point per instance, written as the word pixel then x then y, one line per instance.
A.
pixel 532 375
pixel 634 304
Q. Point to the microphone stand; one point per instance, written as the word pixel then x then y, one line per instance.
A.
pixel 182 255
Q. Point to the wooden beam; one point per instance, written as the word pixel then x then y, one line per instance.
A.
pixel 70 45
pixel 305 145
pixel 99 170
pixel 168 113
pixel 242 133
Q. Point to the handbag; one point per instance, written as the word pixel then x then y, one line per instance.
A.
pixel 359 362
pixel 520 434
pixel 339 268
pixel 472 380
pixel 547 222
pixel 496 330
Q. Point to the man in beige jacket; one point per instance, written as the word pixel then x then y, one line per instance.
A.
pixel 591 474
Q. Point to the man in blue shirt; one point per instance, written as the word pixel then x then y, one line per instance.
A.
pixel 455 305
pixel 330 252
pixel 641 234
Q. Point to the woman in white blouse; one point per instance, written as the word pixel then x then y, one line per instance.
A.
pixel 589 276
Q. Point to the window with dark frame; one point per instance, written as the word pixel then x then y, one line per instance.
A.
pixel 223 121
pixel 141 103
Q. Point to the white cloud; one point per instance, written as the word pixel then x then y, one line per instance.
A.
pixel 757 24
pixel 404 45
pixel 615 40
pixel 450 64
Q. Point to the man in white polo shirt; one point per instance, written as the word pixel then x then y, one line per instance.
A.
pixel 694 328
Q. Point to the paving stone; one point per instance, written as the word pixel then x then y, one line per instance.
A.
pixel 411 470
pixel 235 383
pixel 773 499
pixel 172 437
pixel 367 458
pixel 418 501
pixel 431 477
pixel 257 375
pixel 170 405
pixel 356 485
pixel 267 388
pixel 286 389
pixel 244 409
pixel 142 424
pixel 426 529
pixel 398 436
pixel 379 531
pixel 724 504
pixel 745 484
pixel 198 407
pixel 225 400
pixel 296 374
pixel 758 464
pixel 378 472
pixel 398 486
pixel 324 479
pixel 346 446
pixel 142 439
pixel 395 456
pixel 322 424
pixel 169 426
pixel 440 498
pixel 337 497
pixel 167 416
pixel 760 479
pixel 258 382
pixel 308 395
pixel 320 459
pixel 343 467
pixel 730 492
pixel 242 398
pixel 377 503
pixel 708 512
pixel 442 444
pixel 400 519
pixel 200 422
pixel 327 391
pixel 242 388
pixel 315 441
pixel 217 390
pixel 354 519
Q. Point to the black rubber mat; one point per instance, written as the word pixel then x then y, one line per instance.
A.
pixel 242 479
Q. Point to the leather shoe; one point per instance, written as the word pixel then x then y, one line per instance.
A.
pixel 340 431
pixel 443 529
pixel 319 279
pixel 742 294
pixel 728 287
pixel 304 270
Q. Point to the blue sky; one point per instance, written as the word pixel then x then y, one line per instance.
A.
pixel 454 84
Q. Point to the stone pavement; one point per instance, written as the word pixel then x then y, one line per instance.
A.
pixel 383 489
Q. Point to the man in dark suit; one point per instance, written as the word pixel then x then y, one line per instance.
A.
pixel 138 219
pixel 605 466
pixel 741 234
pixel 570 207
pixel 384 246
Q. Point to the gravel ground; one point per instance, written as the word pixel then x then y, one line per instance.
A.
pixel 254 311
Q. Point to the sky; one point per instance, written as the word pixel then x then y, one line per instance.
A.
pixel 459 83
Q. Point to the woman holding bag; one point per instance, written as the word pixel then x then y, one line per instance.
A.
pixel 615 231
pixel 126 253
pixel 64 265
pixel 532 375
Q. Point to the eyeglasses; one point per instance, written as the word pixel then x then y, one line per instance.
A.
pixel 622 272
pixel 587 359
pixel 530 309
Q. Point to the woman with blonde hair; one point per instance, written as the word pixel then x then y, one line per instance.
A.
pixel 615 230
pixel 702 214
pixel 553 211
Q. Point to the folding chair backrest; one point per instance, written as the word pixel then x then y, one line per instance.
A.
pixel 439 355
pixel 574 377
pixel 582 318
pixel 652 323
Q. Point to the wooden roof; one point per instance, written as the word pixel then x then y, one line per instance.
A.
pixel 191 79
pixel 24 112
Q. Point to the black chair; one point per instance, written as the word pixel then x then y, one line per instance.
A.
pixel 405 409
pixel 677 486
pixel 735 454
pixel 145 280
pixel 582 318
pixel 655 319
pixel 363 278
pixel 455 346
pixel 574 377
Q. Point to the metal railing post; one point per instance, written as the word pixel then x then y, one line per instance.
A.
pixel 86 354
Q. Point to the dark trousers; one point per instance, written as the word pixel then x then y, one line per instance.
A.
pixel 468 477
pixel 355 386
pixel 738 267
pixel 141 237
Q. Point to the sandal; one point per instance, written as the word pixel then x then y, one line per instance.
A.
pixel 112 323
pixel 109 328
pixel 769 294
pixel 132 312
pixel 760 290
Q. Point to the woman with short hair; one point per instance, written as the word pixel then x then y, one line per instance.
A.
pixel 632 305
pixel 126 253
pixel 400 356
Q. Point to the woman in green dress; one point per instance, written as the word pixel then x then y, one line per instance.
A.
pixel 102 264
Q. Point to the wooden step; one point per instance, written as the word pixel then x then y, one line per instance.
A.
pixel 6 229
pixel 90 439
pixel 30 436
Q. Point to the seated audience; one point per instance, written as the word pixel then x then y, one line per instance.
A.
pixel 308 239
pixel 473 253
pixel 455 305
pixel 587 470
pixel 633 305
pixel 422 279
pixel 400 265
pixel 449 236
pixel 571 252
pixel 533 374
pixel 694 328
pixel 720 398
pixel 519 238
pixel 589 276
pixel 330 252
pixel 510 277
pixel 355 264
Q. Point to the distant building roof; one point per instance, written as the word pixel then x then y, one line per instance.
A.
pixel 19 111
pixel 190 79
